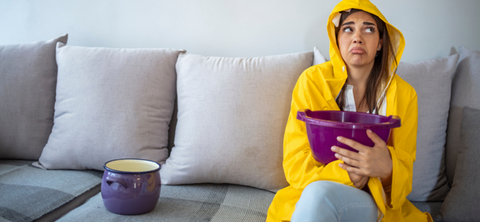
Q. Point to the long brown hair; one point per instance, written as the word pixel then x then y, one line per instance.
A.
pixel 380 72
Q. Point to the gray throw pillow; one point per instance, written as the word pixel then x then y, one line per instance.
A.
pixel 465 92
pixel 110 103
pixel 232 114
pixel 432 80
pixel 462 202
pixel 28 76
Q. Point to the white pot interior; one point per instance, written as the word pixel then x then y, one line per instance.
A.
pixel 132 165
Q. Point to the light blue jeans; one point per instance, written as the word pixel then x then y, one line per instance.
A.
pixel 330 201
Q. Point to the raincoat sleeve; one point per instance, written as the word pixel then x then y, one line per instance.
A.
pixel 299 165
pixel 403 150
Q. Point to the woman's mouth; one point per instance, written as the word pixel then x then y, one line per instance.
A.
pixel 357 50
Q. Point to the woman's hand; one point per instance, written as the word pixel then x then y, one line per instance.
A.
pixel 369 161
pixel 358 180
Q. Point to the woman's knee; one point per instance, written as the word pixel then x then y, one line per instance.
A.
pixel 321 189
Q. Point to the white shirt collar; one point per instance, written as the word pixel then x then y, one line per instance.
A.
pixel 350 102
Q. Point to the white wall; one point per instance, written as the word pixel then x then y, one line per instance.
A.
pixel 232 28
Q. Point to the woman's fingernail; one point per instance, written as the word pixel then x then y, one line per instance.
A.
pixel 369 131
pixel 333 148
pixel 336 155
pixel 339 138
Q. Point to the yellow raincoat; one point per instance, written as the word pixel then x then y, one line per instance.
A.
pixel 317 89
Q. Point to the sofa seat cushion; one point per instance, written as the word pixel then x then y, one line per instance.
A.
pixel 27 192
pixel 202 202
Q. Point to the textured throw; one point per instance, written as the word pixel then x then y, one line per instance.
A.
pixel 27 193
pixel 203 202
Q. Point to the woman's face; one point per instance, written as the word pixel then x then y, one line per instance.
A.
pixel 358 40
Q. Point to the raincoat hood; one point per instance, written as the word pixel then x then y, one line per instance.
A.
pixel 396 38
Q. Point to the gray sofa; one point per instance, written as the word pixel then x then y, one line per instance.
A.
pixel 216 125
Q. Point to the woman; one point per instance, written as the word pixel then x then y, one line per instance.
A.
pixel 371 185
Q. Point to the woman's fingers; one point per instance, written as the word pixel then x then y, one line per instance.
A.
pixel 345 152
pixel 351 143
pixel 352 169
pixel 372 162
pixel 347 160
pixel 369 161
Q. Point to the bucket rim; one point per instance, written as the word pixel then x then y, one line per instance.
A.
pixel 393 121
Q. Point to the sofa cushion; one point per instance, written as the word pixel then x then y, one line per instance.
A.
pixel 28 75
pixel 432 81
pixel 232 114
pixel 462 202
pixel 110 103
pixel 318 57
pixel 27 192
pixel 204 202
pixel 465 92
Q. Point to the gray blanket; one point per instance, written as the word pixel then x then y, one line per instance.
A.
pixel 204 202
pixel 27 193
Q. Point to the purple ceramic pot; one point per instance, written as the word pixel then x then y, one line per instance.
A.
pixel 131 186
pixel 323 127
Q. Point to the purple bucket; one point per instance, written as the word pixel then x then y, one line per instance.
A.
pixel 131 186
pixel 323 127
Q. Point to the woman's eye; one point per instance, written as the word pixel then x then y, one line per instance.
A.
pixel 370 30
pixel 347 29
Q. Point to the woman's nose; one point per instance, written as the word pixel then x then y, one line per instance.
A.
pixel 357 38
pixel 359 41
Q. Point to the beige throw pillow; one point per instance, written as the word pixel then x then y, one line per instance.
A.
pixel 232 114
pixel 110 103
pixel 432 80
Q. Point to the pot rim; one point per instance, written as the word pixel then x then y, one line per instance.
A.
pixel 129 172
